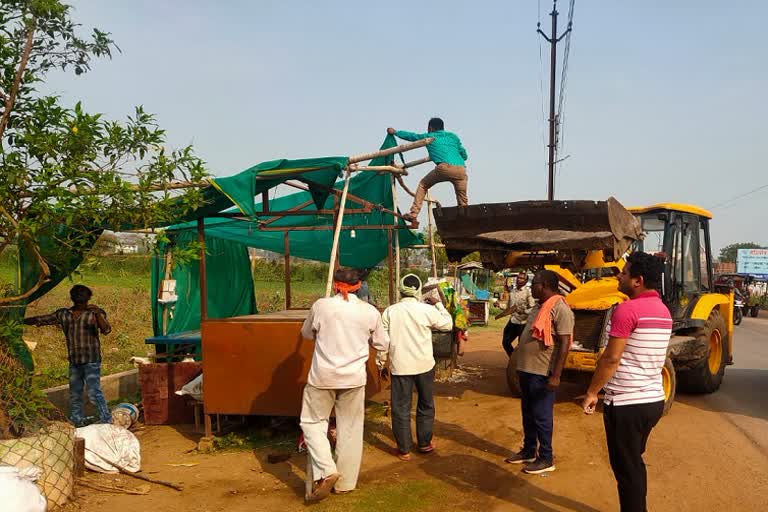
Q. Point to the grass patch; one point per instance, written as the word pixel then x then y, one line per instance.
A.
pixel 260 435
pixel 406 496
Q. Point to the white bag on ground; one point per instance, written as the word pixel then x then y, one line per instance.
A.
pixel 193 388
pixel 17 491
pixel 109 443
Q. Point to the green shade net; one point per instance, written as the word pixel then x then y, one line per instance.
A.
pixel 230 285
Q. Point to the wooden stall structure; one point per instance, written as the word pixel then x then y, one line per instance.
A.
pixel 257 364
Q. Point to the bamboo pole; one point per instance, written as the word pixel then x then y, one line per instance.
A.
pixel 396 233
pixel 337 234
pixel 389 267
pixel 431 235
pixel 287 268
pixel 203 276
pixel 381 168
pixel 391 151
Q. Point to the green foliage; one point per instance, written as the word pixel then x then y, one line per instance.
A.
pixel 64 170
pixel 24 408
pixel 729 252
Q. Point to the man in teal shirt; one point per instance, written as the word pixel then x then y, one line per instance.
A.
pixel 448 155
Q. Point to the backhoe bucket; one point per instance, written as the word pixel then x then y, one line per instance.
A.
pixel 559 227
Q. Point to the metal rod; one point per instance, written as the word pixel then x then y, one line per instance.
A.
pixel 287 265
pixel 337 234
pixel 389 267
pixel 391 151
pixel 397 236
pixel 203 276
pixel 265 201
pixel 350 197
pixel 329 227
pixel 431 236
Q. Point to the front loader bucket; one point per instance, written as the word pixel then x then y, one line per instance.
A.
pixel 555 227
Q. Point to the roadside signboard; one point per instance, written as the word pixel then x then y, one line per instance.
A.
pixel 752 261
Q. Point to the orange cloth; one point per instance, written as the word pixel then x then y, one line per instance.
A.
pixel 345 289
pixel 542 326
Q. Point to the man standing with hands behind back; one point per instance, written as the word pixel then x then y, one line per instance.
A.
pixel 630 372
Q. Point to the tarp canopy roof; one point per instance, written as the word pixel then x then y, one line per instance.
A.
pixel 312 237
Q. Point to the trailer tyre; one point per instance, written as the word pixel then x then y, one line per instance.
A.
pixel 513 380
pixel 707 375
pixel 669 383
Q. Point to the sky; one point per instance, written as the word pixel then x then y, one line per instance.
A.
pixel 663 99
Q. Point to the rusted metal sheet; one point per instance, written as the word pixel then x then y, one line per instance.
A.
pixel 258 364
pixel 498 228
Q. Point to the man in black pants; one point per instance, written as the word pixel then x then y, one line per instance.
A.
pixel 520 303
pixel 630 372
pixel 541 356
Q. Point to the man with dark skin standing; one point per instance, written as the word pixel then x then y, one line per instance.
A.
pixel 519 305
pixel 449 157
pixel 630 372
pixel 81 325
pixel 541 356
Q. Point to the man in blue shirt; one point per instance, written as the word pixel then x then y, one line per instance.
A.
pixel 449 157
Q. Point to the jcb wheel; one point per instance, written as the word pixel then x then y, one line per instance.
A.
pixel 707 375
pixel 669 382
pixel 512 378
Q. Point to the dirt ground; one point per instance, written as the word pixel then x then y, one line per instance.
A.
pixel 697 460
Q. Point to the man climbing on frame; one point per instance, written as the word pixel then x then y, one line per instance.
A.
pixel 449 157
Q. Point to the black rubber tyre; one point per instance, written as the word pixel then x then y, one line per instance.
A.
pixel 754 311
pixel 512 379
pixel 707 375
pixel 738 315
pixel 669 381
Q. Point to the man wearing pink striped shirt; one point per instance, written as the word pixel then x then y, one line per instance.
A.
pixel 630 372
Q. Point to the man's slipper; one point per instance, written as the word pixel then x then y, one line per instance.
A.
pixel 323 488
pixel 427 449
pixel 401 455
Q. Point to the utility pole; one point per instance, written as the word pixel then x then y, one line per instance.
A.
pixel 553 39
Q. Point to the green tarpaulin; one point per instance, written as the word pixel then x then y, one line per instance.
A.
pixel 361 248
pixel 230 292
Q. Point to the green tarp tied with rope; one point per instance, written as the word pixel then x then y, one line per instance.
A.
pixel 227 239
pixel 230 291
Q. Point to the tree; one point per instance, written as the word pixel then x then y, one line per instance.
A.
pixel 729 252
pixel 66 174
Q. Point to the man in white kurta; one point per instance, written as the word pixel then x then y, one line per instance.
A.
pixel 342 326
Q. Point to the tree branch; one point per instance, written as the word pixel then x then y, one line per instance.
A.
pixel 11 99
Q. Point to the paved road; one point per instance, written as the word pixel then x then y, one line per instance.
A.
pixel 742 396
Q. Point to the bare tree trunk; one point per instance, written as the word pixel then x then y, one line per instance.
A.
pixel 11 99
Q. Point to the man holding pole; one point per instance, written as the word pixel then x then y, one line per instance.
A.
pixel 449 157
pixel 341 326
pixel 409 324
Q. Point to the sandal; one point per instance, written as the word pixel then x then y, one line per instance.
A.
pixel 323 488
